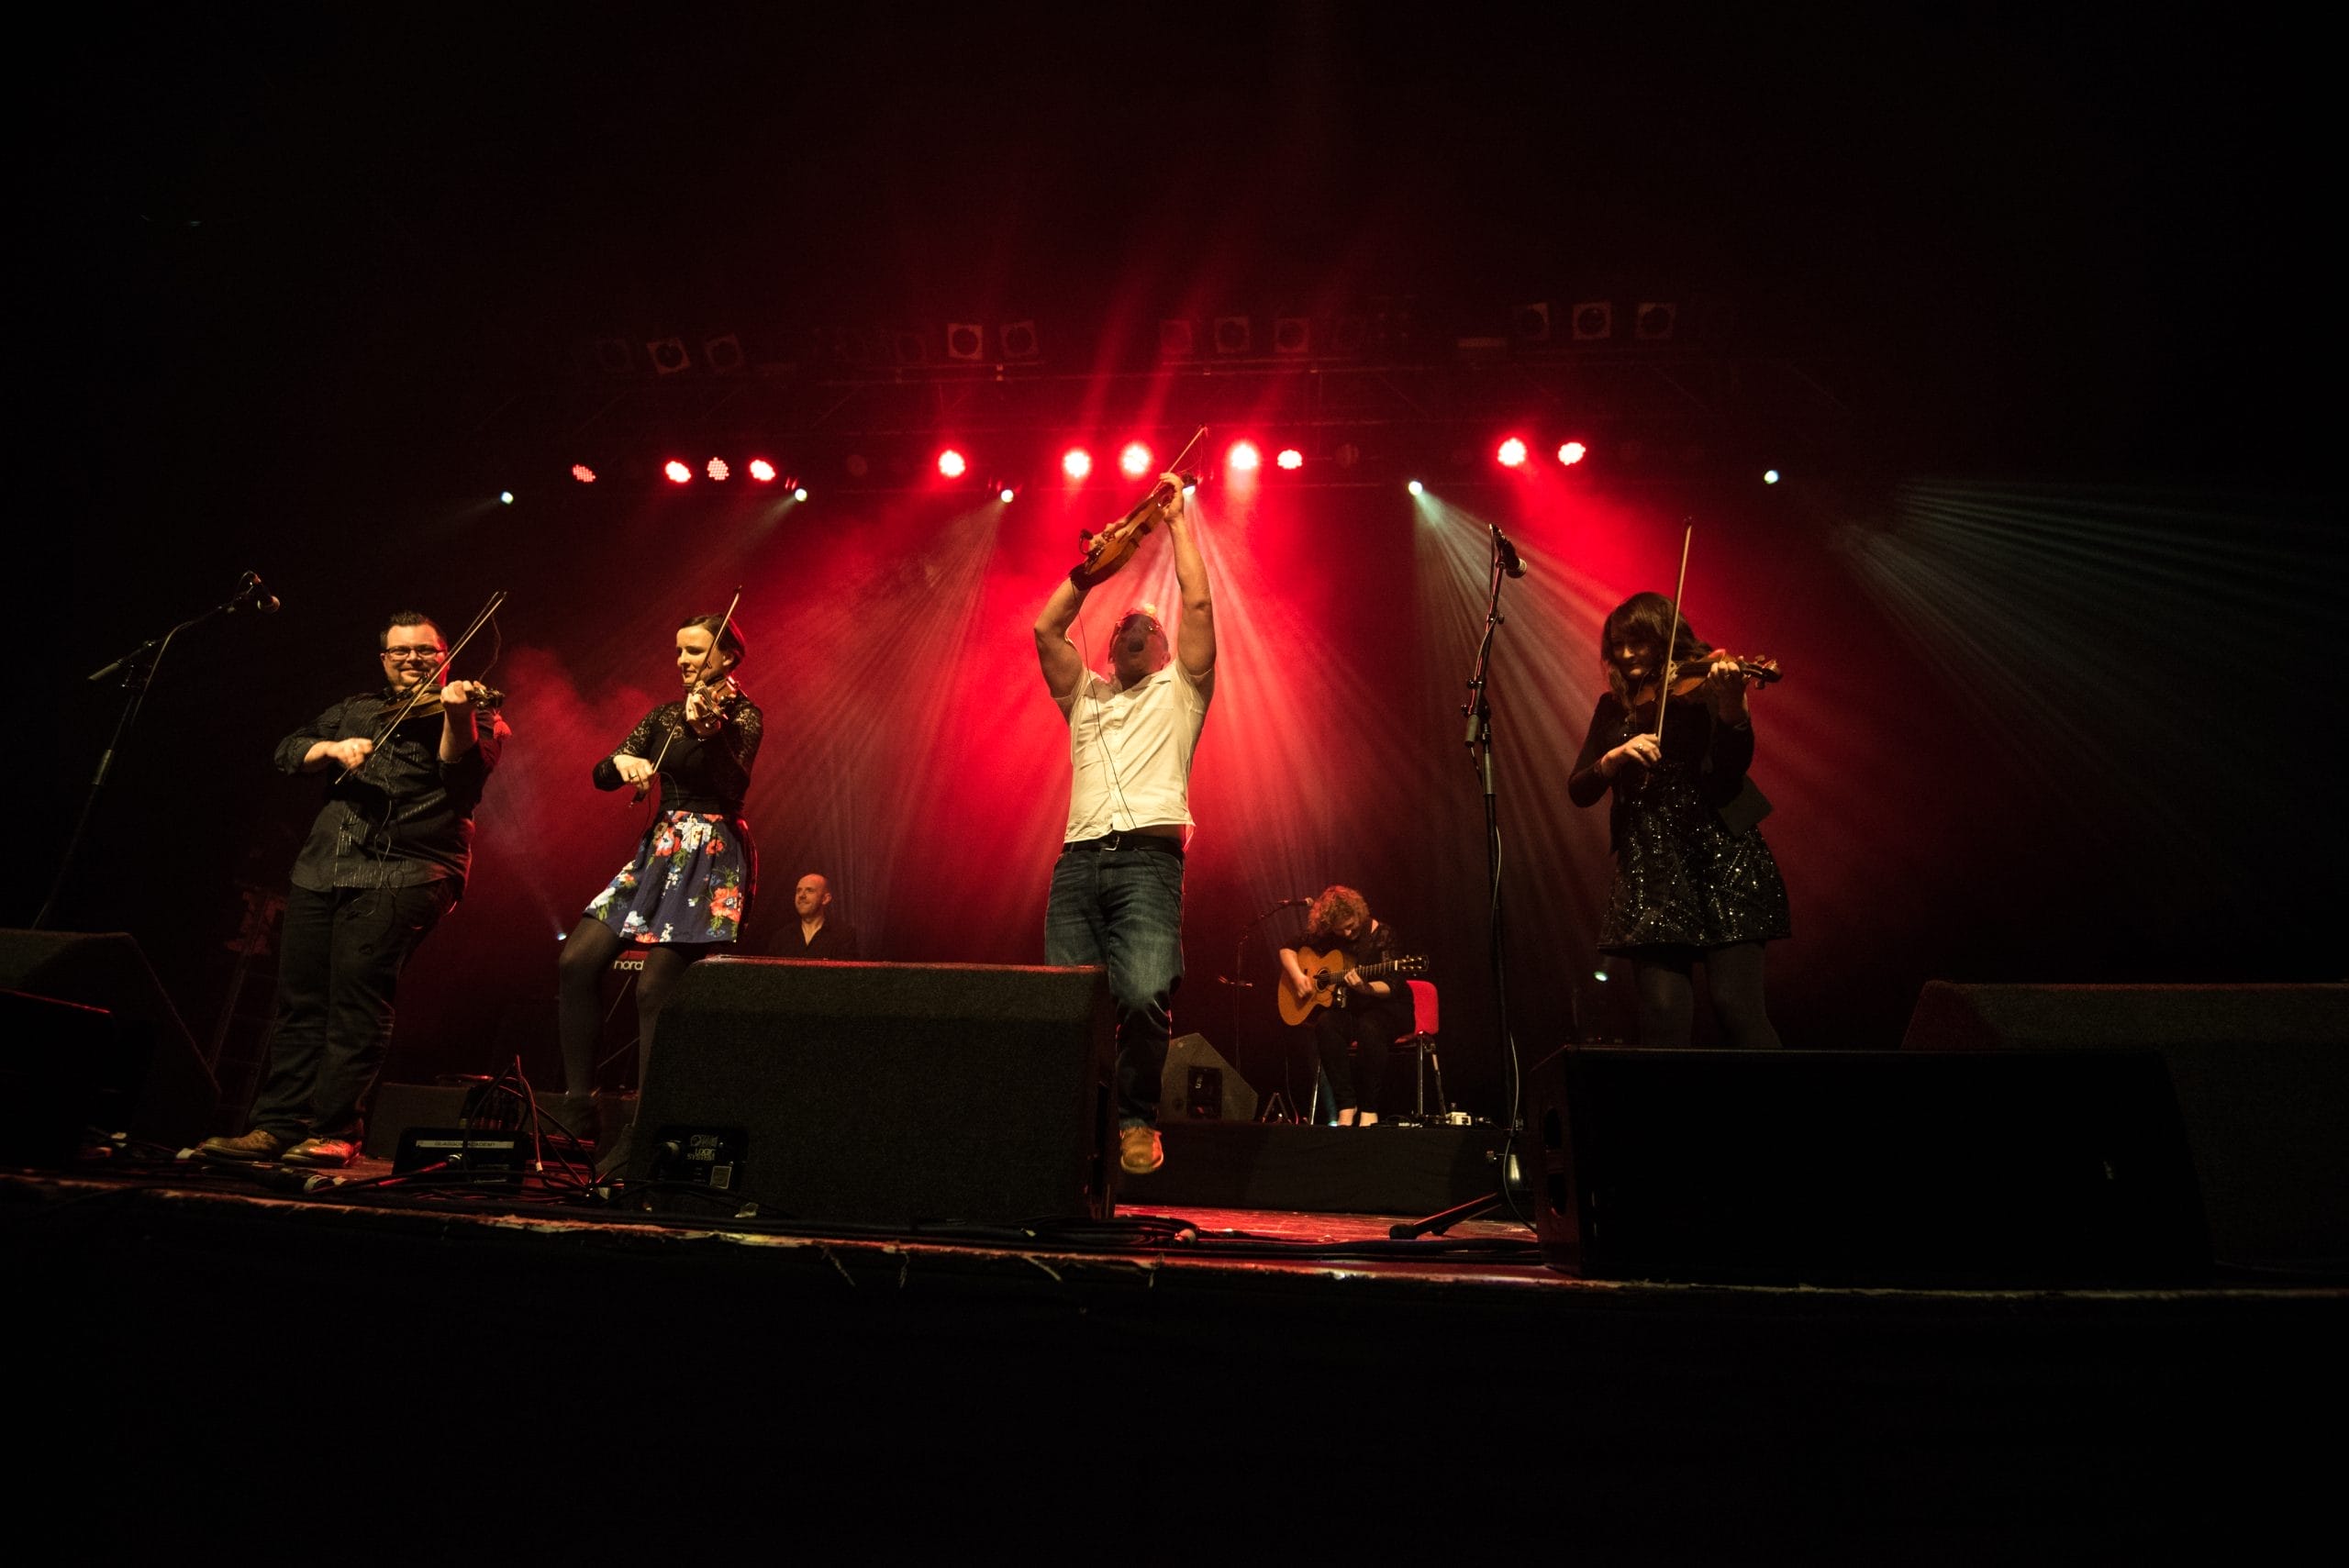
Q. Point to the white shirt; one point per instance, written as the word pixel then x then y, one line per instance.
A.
pixel 1129 752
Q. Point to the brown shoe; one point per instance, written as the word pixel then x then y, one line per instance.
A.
pixel 258 1144
pixel 1138 1151
pixel 321 1151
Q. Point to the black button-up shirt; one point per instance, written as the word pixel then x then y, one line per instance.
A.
pixel 407 816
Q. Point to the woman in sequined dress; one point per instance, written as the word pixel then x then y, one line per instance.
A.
pixel 1694 881
pixel 688 889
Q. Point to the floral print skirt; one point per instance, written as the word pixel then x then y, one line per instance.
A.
pixel 691 881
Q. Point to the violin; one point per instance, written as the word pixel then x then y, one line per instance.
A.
pixel 716 698
pixel 1110 548
pixel 489 699
pixel 1688 676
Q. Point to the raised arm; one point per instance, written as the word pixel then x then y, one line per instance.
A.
pixel 1194 635
pixel 1063 666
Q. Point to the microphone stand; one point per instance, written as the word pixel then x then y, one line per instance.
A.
pixel 137 668
pixel 1287 1099
pixel 1478 712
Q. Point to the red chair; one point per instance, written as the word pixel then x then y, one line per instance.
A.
pixel 1420 1042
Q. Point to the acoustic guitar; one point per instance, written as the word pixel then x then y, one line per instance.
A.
pixel 1327 969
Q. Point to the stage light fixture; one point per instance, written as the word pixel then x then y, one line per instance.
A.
pixel 581 472
pixel 799 493
pixel 723 355
pixel 965 340
pixel 1571 453
pixel 1292 335
pixel 677 472
pixel 1177 340
pixel 1232 335
pixel 669 355
pixel 1416 488
pixel 1135 459
pixel 1593 319
pixel 1290 458
pixel 1769 476
pixel 505 497
pixel 717 469
pixel 1531 323
pixel 1243 458
pixel 1653 323
pixel 763 470
pixel 1019 341
pixel 952 463
pixel 1512 453
pixel 1077 462
pixel 1003 494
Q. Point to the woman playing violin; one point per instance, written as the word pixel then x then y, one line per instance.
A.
pixel 1694 881
pixel 686 892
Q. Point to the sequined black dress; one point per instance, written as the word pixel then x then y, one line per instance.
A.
pixel 1690 867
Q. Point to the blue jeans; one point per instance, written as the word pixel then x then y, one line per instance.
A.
pixel 1123 909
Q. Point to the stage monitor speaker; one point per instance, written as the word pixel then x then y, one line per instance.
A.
pixel 1200 1086
pixel 2262 1078
pixel 883 1093
pixel 149 1081
pixel 1864 1167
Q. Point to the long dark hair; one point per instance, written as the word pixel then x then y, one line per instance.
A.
pixel 1642 619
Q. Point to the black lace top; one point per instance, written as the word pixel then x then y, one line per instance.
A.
pixel 695 774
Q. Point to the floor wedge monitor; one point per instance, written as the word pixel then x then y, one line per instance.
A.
pixel 881 1093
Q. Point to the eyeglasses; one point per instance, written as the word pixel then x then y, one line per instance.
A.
pixel 414 653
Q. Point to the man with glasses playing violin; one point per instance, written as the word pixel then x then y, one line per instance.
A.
pixel 386 859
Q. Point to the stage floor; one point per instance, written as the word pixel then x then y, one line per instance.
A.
pixel 1200 1352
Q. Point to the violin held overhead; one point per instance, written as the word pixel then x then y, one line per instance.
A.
pixel 1114 545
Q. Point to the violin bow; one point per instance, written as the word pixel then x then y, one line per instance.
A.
pixel 433 684
pixel 717 643
pixel 1672 633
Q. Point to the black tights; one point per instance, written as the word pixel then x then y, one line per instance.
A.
pixel 579 987
pixel 1668 995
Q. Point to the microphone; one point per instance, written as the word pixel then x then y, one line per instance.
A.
pixel 1511 563
pixel 252 595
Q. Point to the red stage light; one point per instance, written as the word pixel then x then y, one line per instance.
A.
pixel 1512 453
pixel 581 472
pixel 1135 459
pixel 1572 452
pixel 1077 462
pixel 1243 458
pixel 950 464
pixel 717 469
pixel 677 472
pixel 763 470
pixel 1290 458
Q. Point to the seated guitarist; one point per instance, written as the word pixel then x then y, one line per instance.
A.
pixel 1371 1015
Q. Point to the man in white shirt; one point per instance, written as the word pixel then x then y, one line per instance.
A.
pixel 1117 886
